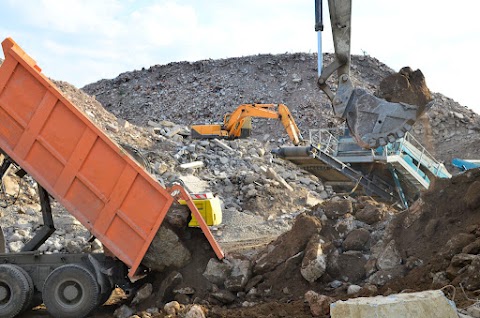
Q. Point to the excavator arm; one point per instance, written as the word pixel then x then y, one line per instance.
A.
pixel 237 122
pixel 372 121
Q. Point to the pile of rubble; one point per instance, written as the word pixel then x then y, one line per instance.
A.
pixel 202 92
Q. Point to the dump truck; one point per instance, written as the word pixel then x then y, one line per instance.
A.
pixel 96 180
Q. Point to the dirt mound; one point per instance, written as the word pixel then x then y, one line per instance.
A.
pixel 441 231
pixel 406 86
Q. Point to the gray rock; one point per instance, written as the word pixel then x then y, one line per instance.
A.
pixel 224 296
pixel 314 262
pixel 353 289
pixel 239 275
pixel 389 258
pixel 123 312
pixel 143 293
pixel 165 291
pixel 166 250
pixel 381 277
pixel 217 271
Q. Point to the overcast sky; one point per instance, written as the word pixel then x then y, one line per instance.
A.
pixel 82 41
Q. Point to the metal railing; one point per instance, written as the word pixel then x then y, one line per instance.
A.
pixel 328 140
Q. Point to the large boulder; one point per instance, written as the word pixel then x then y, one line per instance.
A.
pixel 288 244
pixel 217 271
pixel 166 250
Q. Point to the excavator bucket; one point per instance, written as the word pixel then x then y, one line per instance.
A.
pixel 373 120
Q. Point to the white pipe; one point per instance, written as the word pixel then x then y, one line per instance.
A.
pixel 320 54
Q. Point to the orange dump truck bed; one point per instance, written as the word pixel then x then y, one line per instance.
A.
pixel 68 155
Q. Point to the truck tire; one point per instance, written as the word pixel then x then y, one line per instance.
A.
pixel 29 303
pixel 71 291
pixel 15 290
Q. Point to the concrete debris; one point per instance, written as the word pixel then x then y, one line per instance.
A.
pixel 217 271
pixel 273 175
pixel 314 262
pixel 166 250
pixel 192 165
pixel 240 273
pixel 389 258
pixel 416 305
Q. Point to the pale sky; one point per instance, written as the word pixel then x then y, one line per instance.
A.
pixel 83 41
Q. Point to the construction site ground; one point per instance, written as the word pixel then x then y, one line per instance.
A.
pixel 271 233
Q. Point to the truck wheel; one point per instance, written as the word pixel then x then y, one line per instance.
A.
pixel 71 291
pixel 14 290
pixel 29 303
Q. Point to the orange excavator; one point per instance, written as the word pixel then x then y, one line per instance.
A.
pixel 238 124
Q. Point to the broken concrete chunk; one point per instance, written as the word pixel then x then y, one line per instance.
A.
pixel 223 145
pixel 172 308
pixel 166 250
pixel 275 176
pixel 431 303
pixel 383 276
pixel 195 312
pixel 217 271
pixel 389 258
pixel 173 131
pixel 314 262
pixel 192 165
pixel 239 276
pixel 123 312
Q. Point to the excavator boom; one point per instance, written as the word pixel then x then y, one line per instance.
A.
pixel 372 121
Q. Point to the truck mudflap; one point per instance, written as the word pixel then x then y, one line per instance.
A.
pixel 116 199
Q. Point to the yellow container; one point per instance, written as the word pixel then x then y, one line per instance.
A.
pixel 210 209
